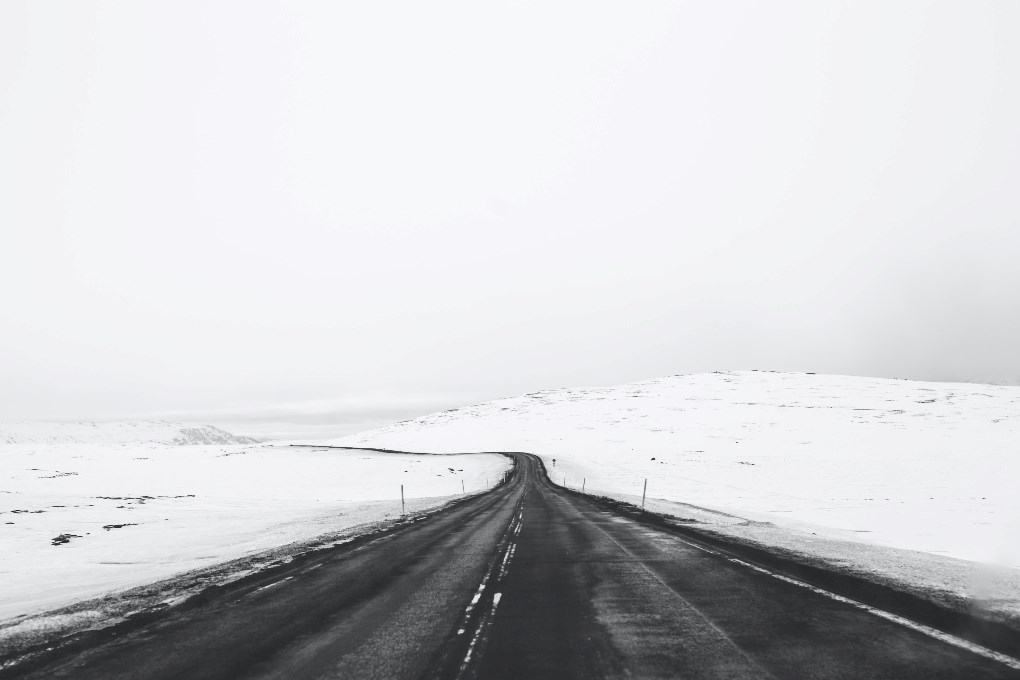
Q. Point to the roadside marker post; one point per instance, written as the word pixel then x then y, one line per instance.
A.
pixel 462 486
pixel 401 499
pixel 584 480
pixel 645 491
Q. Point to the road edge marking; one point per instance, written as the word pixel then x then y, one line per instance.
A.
pixel 935 633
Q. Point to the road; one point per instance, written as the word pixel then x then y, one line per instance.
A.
pixel 527 581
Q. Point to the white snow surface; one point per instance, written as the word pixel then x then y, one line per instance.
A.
pixel 138 513
pixel 126 432
pixel 925 468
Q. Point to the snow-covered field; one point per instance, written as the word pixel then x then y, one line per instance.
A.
pixel 913 482
pixel 877 463
pixel 82 520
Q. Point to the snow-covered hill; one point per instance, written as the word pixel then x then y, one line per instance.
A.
pixel 922 466
pixel 129 432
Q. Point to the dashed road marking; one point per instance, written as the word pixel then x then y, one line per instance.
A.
pixel 485 620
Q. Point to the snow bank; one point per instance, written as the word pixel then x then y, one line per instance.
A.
pixel 79 521
pixel 923 467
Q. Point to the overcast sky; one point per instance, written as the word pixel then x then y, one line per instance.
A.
pixel 341 212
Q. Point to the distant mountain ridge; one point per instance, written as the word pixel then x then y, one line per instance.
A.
pixel 1007 382
pixel 124 432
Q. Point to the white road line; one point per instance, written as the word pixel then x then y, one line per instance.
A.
pixel 478 633
pixel 512 530
pixel 509 552
pixel 942 636
pixel 913 625
pixel 506 561
pixel 275 583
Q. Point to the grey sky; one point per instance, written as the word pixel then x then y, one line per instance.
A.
pixel 367 210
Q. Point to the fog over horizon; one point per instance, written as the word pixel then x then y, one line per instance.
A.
pixel 329 217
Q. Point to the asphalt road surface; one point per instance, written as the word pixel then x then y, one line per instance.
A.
pixel 527 581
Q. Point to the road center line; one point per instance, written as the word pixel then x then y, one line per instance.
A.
pixel 497 568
